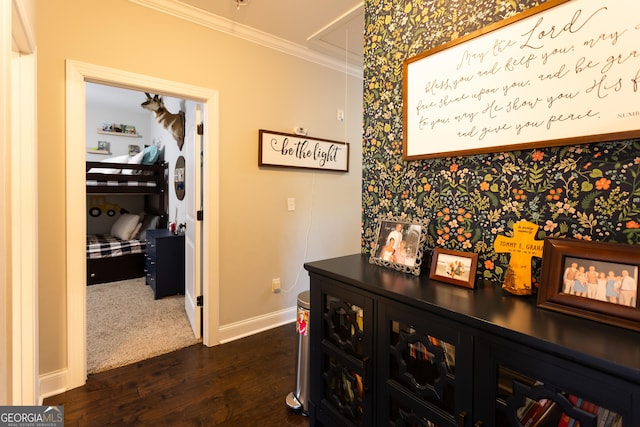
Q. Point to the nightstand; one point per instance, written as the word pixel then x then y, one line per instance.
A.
pixel 164 263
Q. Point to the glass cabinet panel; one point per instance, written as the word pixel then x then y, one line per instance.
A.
pixel 345 354
pixel 423 364
pixel 524 401
pixel 344 325
pixel 403 416
pixel 344 390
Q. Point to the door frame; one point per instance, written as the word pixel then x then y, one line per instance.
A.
pixel 77 74
pixel 19 351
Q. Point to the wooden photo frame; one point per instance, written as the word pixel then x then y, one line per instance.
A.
pixel 565 288
pixel 455 267
pixel 400 244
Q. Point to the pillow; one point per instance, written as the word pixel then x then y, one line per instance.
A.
pixel 118 159
pixel 136 159
pixel 135 231
pixel 124 226
pixel 150 155
pixel 150 222
pixel 133 160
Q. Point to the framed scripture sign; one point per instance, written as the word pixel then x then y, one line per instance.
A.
pixel 562 73
pixel 299 151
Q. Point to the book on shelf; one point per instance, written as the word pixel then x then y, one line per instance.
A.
pixel 549 417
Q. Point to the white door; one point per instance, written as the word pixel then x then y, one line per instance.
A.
pixel 193 232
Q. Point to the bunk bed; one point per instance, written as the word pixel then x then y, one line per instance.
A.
pixel 118 257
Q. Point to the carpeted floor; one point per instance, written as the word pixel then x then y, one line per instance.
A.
pixel 125 324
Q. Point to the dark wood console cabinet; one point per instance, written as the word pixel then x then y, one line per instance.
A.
pixel 390 349
pixel 164 263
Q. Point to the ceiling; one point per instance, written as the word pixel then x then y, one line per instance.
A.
pixel 332 28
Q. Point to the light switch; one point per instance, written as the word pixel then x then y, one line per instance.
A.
pixel 291 204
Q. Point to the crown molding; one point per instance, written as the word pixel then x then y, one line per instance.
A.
pixel 197 16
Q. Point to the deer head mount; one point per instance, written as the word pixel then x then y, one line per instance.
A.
pixel 174 123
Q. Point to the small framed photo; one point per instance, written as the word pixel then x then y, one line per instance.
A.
pixel 455 267
pixel 129 129
pixel 400 244
pixel 594 280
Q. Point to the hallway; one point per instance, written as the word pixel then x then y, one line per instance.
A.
pixel 241 383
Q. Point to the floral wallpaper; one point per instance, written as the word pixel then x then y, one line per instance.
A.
pixel 589 192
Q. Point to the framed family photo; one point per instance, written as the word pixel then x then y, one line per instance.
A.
pixel 595 280
pixel 455 267
pixel 399 244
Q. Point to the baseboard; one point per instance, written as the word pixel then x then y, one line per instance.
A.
pixel 54 383
pixel 244 328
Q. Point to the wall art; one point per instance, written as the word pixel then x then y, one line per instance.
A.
pixel 300 151
pixel 561 73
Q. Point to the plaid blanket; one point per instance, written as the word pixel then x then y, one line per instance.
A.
pixel 96 183
pixel 106 245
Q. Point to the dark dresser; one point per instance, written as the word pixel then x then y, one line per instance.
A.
pixel 390 349
pixel 164 263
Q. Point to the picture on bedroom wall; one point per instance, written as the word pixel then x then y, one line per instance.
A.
pixel 104 145
pixel 133 149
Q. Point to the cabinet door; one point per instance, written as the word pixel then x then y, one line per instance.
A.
pixel 341 392
pixel 424 369
pixel 517 386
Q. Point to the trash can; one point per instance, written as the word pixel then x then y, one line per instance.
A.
pixel 299 400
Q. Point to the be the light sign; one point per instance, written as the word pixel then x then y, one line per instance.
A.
pixel 298 151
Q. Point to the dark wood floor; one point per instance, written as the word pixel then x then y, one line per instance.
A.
pixel 241 383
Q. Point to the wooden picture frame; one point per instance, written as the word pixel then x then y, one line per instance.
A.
pixel 455 267
pixel 525 82
pixel 289 150
pixel 400 244
pixel 566 291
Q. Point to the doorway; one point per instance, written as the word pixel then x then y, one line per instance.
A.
pixel 77 75
pixel 122 307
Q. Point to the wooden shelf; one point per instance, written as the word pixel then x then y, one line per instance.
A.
pixel 103 152
pixel 130 135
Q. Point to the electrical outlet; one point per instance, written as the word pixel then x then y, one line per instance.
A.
pixel 275 285
pixel 291 204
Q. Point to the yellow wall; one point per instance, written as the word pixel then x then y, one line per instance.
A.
pixel 259 88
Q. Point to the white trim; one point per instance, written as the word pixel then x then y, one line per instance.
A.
pixel 24 236
pixel 77 74
pixel 254 325
pixel 24 364
pixel 22 33
pixel 224 25
pixel 52 384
